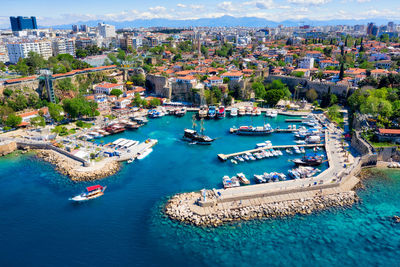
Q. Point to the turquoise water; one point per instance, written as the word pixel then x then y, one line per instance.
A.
pixel 39 226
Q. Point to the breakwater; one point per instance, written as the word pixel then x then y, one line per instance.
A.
pixel 178 208
pixel 75 170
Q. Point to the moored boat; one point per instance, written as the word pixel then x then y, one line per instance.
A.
pixel 234 112
pixel 259 130
pixel 221 112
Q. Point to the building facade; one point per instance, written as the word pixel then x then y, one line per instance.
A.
pixel 23 23
pixel 21 50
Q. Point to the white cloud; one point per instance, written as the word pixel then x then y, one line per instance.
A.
pixel 227 6
pixel 157 9
pixel 309 2
pixel 181 5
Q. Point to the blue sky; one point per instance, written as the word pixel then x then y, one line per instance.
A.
pixel 54 12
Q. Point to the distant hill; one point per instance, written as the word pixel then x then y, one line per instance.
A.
pixel 224 21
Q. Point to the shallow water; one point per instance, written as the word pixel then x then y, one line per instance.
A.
pixel 39 226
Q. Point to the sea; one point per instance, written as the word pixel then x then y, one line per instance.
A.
pixel 40 226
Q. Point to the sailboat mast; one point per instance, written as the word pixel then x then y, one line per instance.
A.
pixel 194 122
pixel 202 126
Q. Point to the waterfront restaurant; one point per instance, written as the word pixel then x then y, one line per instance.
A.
pixel 389 135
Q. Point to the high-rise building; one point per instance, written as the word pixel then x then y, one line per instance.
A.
pixel 84 28
pixel 21 50
pixel 370 27
pixel 106 30
pixel 75 28
pixel 23 23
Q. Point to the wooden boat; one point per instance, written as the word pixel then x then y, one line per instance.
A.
pixel 92 192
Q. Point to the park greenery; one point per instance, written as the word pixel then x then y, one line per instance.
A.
pixel 59 64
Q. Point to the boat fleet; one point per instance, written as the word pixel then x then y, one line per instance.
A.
pixel 213 112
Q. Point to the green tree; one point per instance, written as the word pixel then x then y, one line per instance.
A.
pixel 116 92
pixel 138 80
pixel 312 95
pixel 273 96
pixel 259 89
pixel 13 120
pixel 56 112
pixel 38 121
pixel 65 85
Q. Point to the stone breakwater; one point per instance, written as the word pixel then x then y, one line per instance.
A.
pixel 74 170
pixel 178 208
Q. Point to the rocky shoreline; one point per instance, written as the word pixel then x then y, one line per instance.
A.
pixel 177 208
pixel 73 169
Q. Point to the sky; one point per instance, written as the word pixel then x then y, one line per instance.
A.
pixel 55 12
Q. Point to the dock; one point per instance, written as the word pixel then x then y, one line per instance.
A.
pixel 224 157
pixel 277 130
pixel 136 150
pixel 294 120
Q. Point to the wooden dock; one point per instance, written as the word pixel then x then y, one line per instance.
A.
pixel 225 157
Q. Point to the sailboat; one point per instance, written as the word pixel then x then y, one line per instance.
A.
pixel 193 136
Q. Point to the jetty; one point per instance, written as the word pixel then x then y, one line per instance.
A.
pixel 294 120
pixel 136 150
pixel 224 157
pixel 276 130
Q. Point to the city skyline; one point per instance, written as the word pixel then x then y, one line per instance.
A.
pixel 50 13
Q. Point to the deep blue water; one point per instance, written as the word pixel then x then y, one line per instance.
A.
pixel 39 226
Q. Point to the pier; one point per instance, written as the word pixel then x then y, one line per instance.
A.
pixel 276 130
pixel 294 120
pixel 225 157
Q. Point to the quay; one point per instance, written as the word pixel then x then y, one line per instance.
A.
pixel 224 157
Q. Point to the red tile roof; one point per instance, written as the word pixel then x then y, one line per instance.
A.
pixel 21 79
pixel 389 131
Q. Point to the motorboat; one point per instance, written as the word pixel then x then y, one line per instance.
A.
pixel 92 192
pixel 203 111
pixel 242 111
pixel 211 112
pixel 221 112
pixel 242 178
pixel 309 160
pixel 180 112
pixel 230 182
pixel 144 154
pixel 234 112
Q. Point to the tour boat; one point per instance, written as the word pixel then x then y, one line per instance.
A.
pixel 92 192
pixel 194 137
pixel 309 160
pixel 221 112
pixel 259 130
pixel 145 153
pixel 234 112
pixel 211 112
pixel 115 128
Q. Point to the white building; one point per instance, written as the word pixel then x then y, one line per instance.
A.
pixel 106 88
pixel 63 46
pixel 306 63
pixel 3 53
pixel 106 30
pixel 21 50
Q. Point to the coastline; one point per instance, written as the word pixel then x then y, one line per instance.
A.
pixel 74 170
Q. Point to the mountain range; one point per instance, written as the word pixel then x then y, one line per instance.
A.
pixel 227 21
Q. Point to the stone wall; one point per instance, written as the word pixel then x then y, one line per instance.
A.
pixel 158 85
pixel 359 144
pixel 6 147
pixel 320 87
